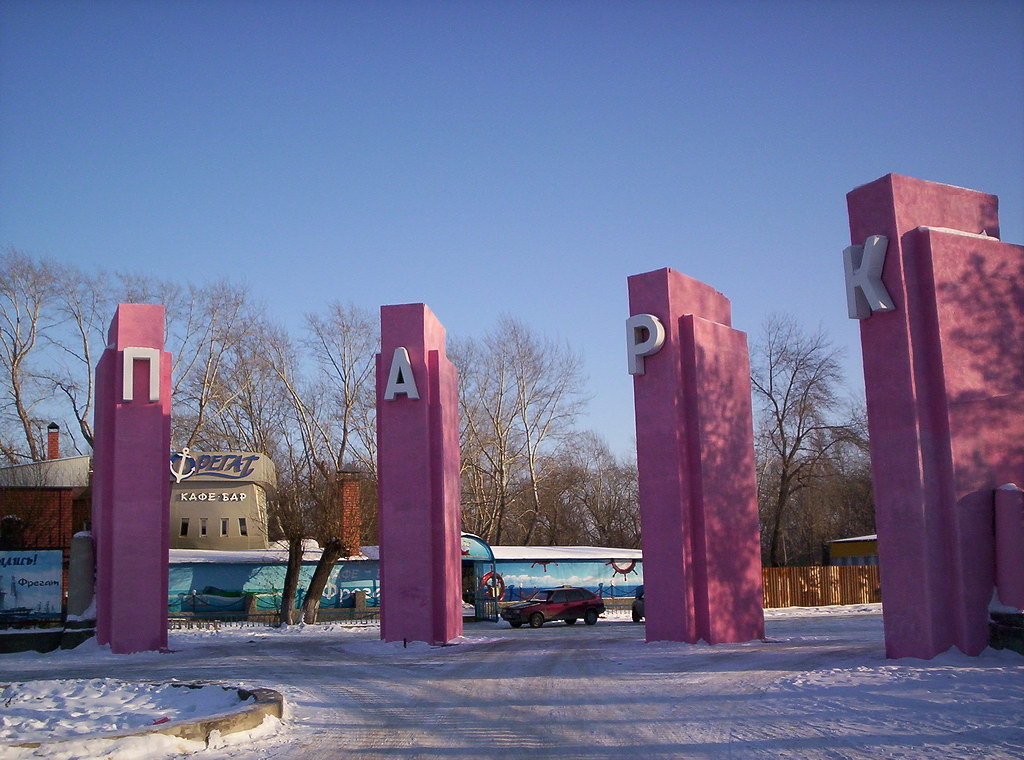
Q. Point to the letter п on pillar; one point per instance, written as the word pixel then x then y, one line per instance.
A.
pixel 131 486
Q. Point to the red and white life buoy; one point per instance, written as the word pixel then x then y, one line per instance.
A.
pixel 493 585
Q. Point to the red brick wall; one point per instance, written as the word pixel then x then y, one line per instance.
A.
pixel 46 515
pixel 351 514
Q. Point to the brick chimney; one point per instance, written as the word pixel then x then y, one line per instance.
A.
pixel 348 505
pixel 53 441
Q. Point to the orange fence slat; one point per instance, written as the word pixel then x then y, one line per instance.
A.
pixel 817 586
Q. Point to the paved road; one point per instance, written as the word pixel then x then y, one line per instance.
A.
pixel 565 692
pixel 818 687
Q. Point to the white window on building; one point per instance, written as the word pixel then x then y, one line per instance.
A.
pixel 242 529
pixel 223 526
pixel 261 505
pixel 202 526
pixel 184 527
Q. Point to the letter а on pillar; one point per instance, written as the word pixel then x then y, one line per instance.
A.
pixel 645 335
pixel 401 378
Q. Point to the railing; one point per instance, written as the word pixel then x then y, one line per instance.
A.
pixel 212 620
pixel 819 586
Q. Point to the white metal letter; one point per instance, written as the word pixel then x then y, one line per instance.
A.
pixel 401 379
pixel 865 293
pixel 151 355
pixel 644 336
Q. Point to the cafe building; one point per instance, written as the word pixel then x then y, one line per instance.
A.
pixel 219 499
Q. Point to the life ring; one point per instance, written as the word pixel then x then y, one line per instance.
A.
pixel 494 585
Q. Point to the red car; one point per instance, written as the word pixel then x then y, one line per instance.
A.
pixel 565 603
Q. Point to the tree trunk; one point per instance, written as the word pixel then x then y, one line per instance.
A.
pixel 333 551
pixel 291 581
pixel 780 506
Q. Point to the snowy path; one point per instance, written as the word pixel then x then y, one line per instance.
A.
pixel 818 687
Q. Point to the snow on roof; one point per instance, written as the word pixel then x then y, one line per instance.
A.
pixel 274 556
pixel 951 231
pixel 855 538
pixel 255 556
pixel 68 472
pixel 564 552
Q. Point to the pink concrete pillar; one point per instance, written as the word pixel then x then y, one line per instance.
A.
pixel 131 486
pixel 695 454
pixel 418 479
pixel 944 377
pixel 1009 506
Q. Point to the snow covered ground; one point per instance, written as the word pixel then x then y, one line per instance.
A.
pixel 819 686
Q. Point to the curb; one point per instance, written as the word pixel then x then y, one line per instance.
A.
pixel 267 702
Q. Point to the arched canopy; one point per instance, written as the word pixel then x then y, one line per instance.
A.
pixel 474 547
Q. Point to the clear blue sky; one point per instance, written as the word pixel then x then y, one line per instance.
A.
pixel 498 157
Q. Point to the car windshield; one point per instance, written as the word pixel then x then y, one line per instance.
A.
pixel 540 596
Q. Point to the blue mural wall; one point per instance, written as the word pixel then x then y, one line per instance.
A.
pixel 606 578
pixel 207 587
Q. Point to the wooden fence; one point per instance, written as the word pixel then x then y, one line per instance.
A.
pixel 819 586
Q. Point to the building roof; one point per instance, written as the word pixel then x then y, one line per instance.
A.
pixel 311 554
pixel 534 553
pixel 69 472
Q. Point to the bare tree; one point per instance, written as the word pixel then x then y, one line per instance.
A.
pixel 519 397
pixel 607 493
pixel 288 521
pixel 83 306
pixel 344 342
pixel 491 447
pixel 549 397
pixel 220 317
pixel 796 378
pixel 27 289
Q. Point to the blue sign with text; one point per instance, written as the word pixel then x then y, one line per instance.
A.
pixel 30 585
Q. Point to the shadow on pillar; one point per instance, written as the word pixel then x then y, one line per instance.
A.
pixel 695 456
pixel 944 380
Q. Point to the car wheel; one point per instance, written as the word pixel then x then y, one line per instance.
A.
pixel 516 625
pixel 590 617
pixel 637 617
pixel 570 621
pixel 536 620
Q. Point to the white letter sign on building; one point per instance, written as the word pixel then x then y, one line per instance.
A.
pixel 401 378
pixel 865 293
pixel 151 355
pixel 645 336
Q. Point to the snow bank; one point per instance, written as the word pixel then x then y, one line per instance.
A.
pixel 40 711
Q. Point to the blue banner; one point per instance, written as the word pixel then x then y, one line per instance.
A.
pixel 30 585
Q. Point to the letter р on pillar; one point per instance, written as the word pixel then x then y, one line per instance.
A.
pixel 695 455
pixel 131 485
pixel 944 382
pixel 418 479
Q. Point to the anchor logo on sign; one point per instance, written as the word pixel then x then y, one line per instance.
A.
pixel 186 465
